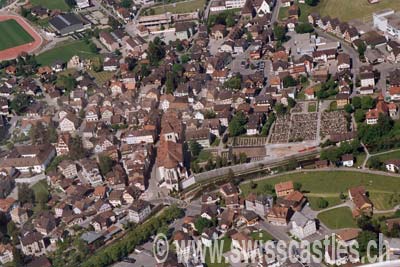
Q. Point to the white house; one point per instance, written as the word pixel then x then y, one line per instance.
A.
pixel 393 165
pixel 6 253
pixel 302 226
pixel 82 3
pixel 348 160
pixel 139 211
pixel 91 172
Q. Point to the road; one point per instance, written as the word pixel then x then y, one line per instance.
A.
pixel 348 49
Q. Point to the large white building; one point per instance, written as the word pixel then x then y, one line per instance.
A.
pixel 302 226
pixel 82 3
pixel 388 22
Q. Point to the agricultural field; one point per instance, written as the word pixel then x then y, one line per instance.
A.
pixel 12 35
pixel 65 52
pixel 51 4
pixel 338 218
pixel 347 10
pixel 177 8
pixel 329 185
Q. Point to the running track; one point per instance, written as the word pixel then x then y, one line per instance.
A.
pixel 12 53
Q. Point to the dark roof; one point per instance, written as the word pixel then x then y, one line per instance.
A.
pixel 65 20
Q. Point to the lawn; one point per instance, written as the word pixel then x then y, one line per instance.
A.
pixel 51 4
pixel 204 156
pixel 65 52
pixel 347 10
pixel 384 157
pixel 41 187
pixel 178 8
pixel 312 107
pixel 338 218
pixel 328 185
pixel 102 76
pixel 12 34
pixel 226 243
pixel 360 159
pixel 262 236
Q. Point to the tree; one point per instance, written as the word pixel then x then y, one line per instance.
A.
pixel 242 157
pixel 195 167
pixel 312 2
pixel 20 103
pixel 126 3
pixel 304 28
pixel 289 81
pixel 375 163
pixel 356 102
pixel 297 186
pixel 367 102
pixel 291 102
pixel 322 203
pixel 12 231
pixel 237 125
pixel 77 151
pixel 37 134
pixel 25 194
pixel 280 33
pixel 70 3
pixel 280 109
pixel 195 148
pixel 170 83
pixel 364 238
pixel 331 154
pixel 231 175
pixel 185 59
pixel 348 108
pixel 67 82
pixel 18 259
pixel 361 49
pixel 359 115
pixel 114 23
pixel 155 51
pixel 202 223
pixel 105 164
pixel 234 83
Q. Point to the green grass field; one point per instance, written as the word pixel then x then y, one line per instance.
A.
pixel 347 10
pixel 328 185
pixel 51 4
pixel 12 35
pixel 178 8
pixel 65 52
pixel 338 218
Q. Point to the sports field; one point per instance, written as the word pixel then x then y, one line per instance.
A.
pixel 12 35
pixel 347 10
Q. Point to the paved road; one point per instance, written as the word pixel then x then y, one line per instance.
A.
pixel 348 49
